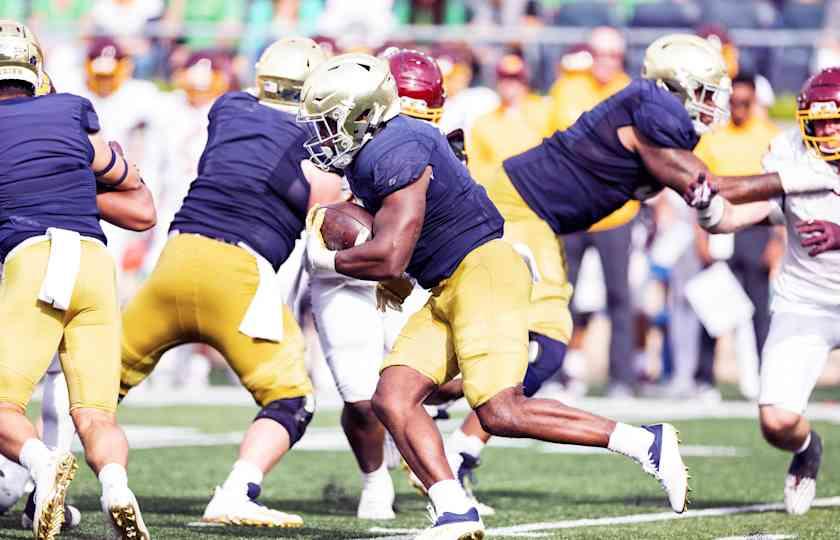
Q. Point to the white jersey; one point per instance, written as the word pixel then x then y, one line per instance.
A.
pixel 462 110
pixel 805 284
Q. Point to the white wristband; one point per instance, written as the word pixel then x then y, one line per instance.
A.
pixel 713 214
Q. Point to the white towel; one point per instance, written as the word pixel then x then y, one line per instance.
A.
pixel 62 268
pixel 264 318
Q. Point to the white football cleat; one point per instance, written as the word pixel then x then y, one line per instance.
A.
pixel 122 515
pixel 377 502
pixel 449 526
pixel 666 465
pixel 801 479
pixel 51 483
pixel 229 508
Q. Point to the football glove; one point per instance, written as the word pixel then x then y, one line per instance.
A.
pixel 318 257
pixel 391 293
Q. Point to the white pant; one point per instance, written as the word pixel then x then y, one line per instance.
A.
pixel 794 356
pixel 352 334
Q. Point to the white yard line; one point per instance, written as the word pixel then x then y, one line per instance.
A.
pixel 633 519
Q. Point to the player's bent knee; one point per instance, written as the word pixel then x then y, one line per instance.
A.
pixel 778 423
pixel 499 416
pixel 294 414
pixel 547 360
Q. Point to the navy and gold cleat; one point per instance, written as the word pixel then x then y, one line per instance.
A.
pixel 449 526
pixel 665 463
pixel 801 479
pixel 72 515
pixel 468 480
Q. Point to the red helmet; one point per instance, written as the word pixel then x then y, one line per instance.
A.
pixel 419 83
pixel 107 66
pixel 820 100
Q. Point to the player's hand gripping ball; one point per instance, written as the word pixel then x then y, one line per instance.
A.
pixel 332 228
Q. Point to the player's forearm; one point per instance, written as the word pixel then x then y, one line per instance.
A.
pixel 738 216
pixel 130 209
pixel 371 262
pixel 747 189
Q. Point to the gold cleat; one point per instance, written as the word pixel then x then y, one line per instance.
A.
pixel 128 522
pixel 50 517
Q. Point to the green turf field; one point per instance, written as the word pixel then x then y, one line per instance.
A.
pixel 527 485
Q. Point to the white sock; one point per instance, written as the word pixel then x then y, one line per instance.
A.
pixel 242 474
pixel 805 445
pixel 34 454
pixel 631 441
pixel 449 496
pixel 461 442
pixel 113 476
pixel 378 477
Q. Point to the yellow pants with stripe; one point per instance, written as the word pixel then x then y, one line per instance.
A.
pixel 199 292
pixel 549 313
pixel 87 334
pixel 475 323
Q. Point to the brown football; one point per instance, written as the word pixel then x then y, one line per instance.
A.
pixel 342 223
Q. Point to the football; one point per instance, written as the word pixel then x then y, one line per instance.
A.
pixel 342 223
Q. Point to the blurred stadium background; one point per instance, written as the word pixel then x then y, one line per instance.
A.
pixel 153 67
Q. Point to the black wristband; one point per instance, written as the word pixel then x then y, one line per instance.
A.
pixel 110 165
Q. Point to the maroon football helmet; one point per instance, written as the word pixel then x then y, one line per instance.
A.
pixel 820 100
pixel 419 83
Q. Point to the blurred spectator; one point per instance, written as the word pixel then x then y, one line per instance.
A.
pixel 828 51
pixel 519 122
pixel 503 12
pixel 206 23
pixel 464 103
pixel 737 149
pixel 358 25
pixel 588 76
pixel 126 20
pixel 581 86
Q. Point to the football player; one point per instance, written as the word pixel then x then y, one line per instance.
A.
pixel 215 281
pixel 57 430
pixel 805 323
pixel 58 286
pixel 434 222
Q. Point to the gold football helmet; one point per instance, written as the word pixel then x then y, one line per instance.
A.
pixel 346 99
pixel 283 67
pixel 693 69
pixel 21 58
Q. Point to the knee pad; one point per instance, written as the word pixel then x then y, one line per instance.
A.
pixel 544 364
pixel 294 414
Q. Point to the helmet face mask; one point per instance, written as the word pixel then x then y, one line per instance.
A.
pixel 707 104
pixel 345 102
pixel 819 103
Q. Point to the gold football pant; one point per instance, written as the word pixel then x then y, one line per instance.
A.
pixel 549 313
pixel 475 323
pixel 87 334
pixel 199 292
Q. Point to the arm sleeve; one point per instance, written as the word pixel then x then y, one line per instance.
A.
pixel 400 166
pixel 664 125
pixel 89 118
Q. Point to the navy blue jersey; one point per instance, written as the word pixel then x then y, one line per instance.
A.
pixel 578 176
pixel 250 187
pixel 459 215
pixel 45 177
